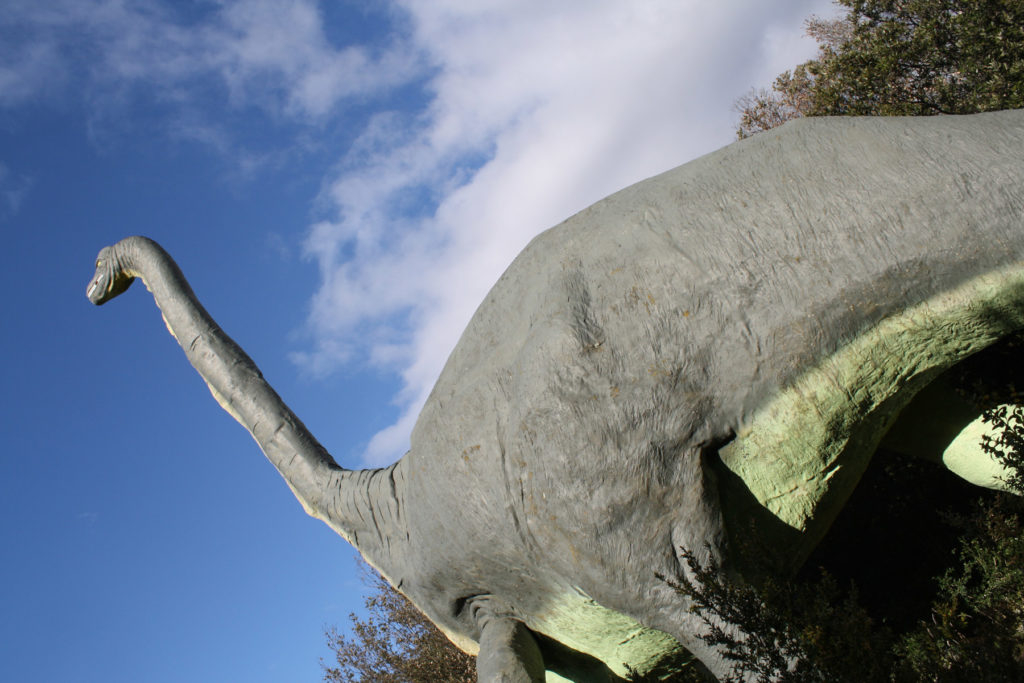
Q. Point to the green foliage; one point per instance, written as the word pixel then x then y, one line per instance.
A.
pixel 975 631
pixel 396 643
pixel 787 631
pixel 919 57
pixel 901 57
pixel 1008 446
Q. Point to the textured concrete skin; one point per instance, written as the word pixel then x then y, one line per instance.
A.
pixel 720 345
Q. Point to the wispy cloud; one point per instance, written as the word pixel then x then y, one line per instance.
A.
pixel 268 47
pixel 28 72
pixel 13 189
pixel 88 517
pixel 269 55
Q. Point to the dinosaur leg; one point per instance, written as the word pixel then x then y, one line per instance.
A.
pixel 939 425
pixel 508 651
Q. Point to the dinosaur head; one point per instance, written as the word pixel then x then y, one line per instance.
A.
pixel 111 277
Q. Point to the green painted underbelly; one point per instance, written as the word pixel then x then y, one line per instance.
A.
pixel 804 451
pixel 614 638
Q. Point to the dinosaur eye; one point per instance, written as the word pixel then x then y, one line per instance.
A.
pixel 99 262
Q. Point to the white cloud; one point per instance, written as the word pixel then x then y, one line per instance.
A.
pixel 28 73
pixel 285 43
pixel 272 54
pixel 566 102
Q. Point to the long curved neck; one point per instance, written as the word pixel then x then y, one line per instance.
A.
pixel 348 501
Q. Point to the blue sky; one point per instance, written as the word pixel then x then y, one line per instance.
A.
pixel 341 182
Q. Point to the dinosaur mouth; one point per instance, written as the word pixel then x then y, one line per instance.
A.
pixel 805 450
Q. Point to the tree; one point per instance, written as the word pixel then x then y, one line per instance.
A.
pixel 792 94
pixel 395 643
pixel 898 58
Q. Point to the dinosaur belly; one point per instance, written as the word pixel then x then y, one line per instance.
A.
pixel 804 451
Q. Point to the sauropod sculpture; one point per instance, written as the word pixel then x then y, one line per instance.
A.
pixel 730 340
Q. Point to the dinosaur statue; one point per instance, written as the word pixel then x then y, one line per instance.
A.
pixel 725 342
